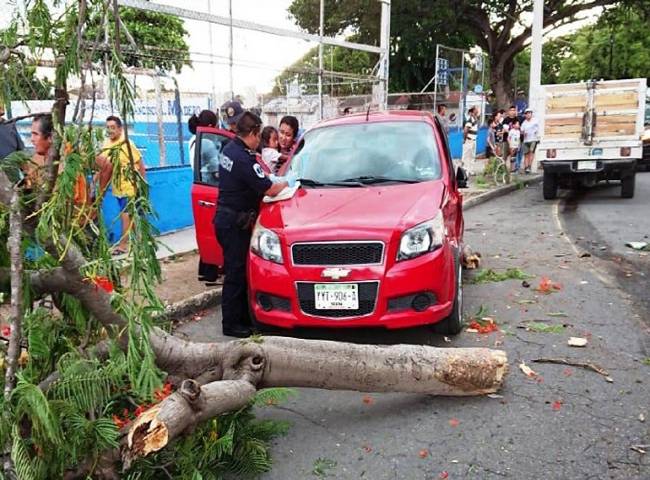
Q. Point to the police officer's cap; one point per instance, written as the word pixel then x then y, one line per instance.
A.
pixel 233 111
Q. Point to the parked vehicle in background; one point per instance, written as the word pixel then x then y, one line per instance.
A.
pixel 591 132
pixel 644 164
pixel 373 237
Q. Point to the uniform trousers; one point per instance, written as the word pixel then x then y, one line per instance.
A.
pixel 235 243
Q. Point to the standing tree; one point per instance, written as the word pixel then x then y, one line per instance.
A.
pixel 501 28
pixel 94 388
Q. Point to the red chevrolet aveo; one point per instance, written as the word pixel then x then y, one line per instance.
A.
pixel 373 236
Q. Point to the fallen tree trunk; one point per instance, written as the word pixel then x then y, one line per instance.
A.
pixel 279 361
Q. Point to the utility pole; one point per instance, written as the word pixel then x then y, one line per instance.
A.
pixel 232 91
pixel 535 100
pixel 213 100
pixel 320 57
pixel 384 45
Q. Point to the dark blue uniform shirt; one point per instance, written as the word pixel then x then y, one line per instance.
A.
pixel 242 182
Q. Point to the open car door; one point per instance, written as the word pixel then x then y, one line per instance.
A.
pixel 208 147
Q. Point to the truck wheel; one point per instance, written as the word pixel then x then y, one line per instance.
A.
pixel 627 186
pixel 453 324
pixel 549 186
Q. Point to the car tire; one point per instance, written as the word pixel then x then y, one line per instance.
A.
pixel 550 186
pixel 627 186
pixel 453 324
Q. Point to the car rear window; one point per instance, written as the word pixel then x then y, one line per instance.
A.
pixel 402 150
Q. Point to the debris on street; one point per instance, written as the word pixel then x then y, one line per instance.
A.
pixel 471 260
pixel 577 342
pixel 546 286
pixel 638 245
pixel 489 275
pixel 573 363
pixel 529 372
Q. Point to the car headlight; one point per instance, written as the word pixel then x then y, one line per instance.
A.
pixel 425 237
pixel 266 244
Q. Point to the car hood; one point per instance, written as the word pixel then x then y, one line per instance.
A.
pixel 353 213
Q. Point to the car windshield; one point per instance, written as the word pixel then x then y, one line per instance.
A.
pixel 368 154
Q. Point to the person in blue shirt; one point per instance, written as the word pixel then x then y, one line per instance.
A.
pixel 242 184
pixel 521 103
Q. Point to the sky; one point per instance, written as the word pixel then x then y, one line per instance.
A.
pixel 259 57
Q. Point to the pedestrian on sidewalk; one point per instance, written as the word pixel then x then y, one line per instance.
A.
pixel 242 183
pixel 470 129
pixel 115 154
pixel 530 130
pixel 442 113
pixel 507 123
pixel 492 148
pixel 10 140
pixel 514 140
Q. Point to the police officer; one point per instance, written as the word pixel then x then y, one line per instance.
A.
pixel 242 183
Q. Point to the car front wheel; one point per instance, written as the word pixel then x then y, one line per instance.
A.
pixel 453 324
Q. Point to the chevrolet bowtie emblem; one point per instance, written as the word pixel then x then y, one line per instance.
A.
pixel 335 273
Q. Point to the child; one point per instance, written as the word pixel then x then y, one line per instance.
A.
pixel 514 140
pixel 271 155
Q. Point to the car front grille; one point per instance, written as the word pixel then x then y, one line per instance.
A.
pixel 338 253
pixel 367 301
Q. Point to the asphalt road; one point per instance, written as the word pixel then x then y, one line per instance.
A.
pixel 601 223
pixel 568 423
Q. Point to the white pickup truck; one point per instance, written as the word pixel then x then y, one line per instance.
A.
pixel 591 131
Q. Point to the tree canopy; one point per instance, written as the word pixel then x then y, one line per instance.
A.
pixel 500 27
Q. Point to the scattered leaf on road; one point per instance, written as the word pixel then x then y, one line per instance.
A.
pixel 489 275
pixel 483 325
pixel 557 405
pixel 539 327
pixel 424 453
pixel 546 286
pixel 368 400
pixel 641 417
pixel 367 448
pixel 454 422
pixel 567 372
pixel 443 475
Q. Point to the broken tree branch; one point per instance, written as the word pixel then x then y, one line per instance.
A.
pixel 16 258
pixel 573 363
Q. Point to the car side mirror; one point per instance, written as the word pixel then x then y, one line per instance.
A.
pixel 461 178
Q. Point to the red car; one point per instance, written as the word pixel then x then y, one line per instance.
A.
pixel 373 236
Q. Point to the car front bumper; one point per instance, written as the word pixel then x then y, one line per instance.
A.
pixel 283 296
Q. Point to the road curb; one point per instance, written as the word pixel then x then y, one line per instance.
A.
pixel 212 298
pixel 188 306
pixel 501 191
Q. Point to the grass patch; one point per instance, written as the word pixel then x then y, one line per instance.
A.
pixel 539 327
pixel 321 467
pixel 481 181
pixel 489 275
pixel 646 361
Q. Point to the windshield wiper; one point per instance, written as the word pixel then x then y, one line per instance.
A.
pixel 370 179
pixel 308 182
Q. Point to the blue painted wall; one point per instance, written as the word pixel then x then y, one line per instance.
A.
pixel 169 190
pixel 456 142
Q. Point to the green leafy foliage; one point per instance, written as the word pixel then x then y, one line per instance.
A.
pixel 488 275
pixel 234 443
pixel 539 327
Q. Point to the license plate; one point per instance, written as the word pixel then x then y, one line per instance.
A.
pixel 588 165
pixel 336 296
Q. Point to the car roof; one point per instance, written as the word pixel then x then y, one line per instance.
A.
pixel 377 116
